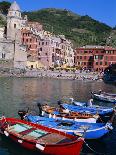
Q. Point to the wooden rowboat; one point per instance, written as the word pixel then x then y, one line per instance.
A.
pixel 37 137
pixel 61 113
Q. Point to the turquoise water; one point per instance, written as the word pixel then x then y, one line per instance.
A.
pixel 17 94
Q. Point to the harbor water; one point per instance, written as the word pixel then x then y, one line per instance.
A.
pixel 24 93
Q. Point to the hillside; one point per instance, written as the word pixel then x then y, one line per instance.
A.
pixel 82 30
pixel 111 40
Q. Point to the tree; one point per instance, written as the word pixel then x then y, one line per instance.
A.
pixel 4 6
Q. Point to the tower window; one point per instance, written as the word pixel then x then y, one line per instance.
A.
pixel 3 55
pixel 14 25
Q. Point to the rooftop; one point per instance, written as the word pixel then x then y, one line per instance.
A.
pixel 14 6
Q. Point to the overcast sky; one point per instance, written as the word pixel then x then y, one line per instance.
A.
pixel 102 10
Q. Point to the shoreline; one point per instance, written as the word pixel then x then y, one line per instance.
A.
pixel 70 75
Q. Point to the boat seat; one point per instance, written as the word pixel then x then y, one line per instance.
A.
pixel 27 131
pixel 51 139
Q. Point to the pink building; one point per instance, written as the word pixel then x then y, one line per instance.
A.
pixel 45 51
pixel 31 41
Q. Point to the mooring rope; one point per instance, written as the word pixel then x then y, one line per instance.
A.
pixel 98 153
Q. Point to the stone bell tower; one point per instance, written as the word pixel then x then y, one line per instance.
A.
pixel 14 21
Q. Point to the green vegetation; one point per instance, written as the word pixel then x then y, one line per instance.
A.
pixel 111 40
pixel 4 6
pixel 2 21
pixel 82 30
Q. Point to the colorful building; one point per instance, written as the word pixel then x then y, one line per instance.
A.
pixel 95 58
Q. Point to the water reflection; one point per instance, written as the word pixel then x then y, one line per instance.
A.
pixel 22 93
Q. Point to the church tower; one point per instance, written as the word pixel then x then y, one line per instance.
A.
pixel 14 21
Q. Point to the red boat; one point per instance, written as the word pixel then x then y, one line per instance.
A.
pixel 37 137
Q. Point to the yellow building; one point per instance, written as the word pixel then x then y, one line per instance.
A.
pixel 35 65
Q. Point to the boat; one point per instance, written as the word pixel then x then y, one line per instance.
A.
pixel 109 75
pixel 62 113
pixel 88 130
pixel 105 97
pixel 105 113
pixel 86 104
pixel 40 138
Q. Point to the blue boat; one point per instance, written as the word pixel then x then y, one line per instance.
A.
pixel 92 110
pixel 87 130
pixel 105 113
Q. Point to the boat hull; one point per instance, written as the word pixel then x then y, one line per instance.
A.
pixel 104 99
pixel 71 149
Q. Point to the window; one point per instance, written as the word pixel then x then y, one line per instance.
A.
pixel 105 63
pixel 100 57
pixel 42 43
pixel 96 63
pixel 96 56
pixel 80 57
pixel 14 25
pixel 3 55
pixel 100 63
pixel 90 63
pixel 85 52
pixel 85 57
pixel 106 52
pixel 41 49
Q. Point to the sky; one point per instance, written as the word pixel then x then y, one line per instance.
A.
pixel 101 10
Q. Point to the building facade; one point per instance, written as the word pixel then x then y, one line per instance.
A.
pixel 48 50
pixel 95 58
pixel 11 48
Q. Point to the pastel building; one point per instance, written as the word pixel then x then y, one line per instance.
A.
pixel 48 50
pixel 95 58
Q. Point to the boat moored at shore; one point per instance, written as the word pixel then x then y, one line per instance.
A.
pixel 40 138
